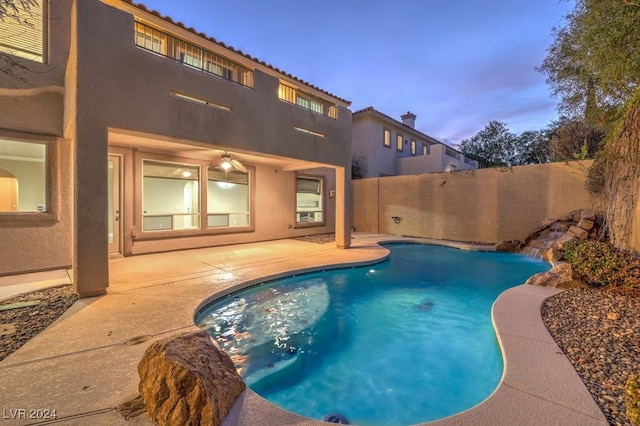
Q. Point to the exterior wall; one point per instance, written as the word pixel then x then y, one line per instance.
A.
pixel 486 205
pixel 367 140
pixel 368 144
pixel 33 111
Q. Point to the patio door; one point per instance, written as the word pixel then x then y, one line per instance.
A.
pixel 114 206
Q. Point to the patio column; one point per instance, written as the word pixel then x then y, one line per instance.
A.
pixel 343 208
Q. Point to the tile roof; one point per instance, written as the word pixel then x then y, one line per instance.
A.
pixel 399 123
pixel 231 48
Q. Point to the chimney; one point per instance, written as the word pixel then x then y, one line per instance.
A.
pixel 409 119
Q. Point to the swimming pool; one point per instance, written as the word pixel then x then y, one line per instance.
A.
pixel 404 341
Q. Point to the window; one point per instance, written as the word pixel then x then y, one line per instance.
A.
pixel 23 176
pixel 387 138
pixel 309 206
pixel 151 39
pixel 425 149
pixel 307 101
pixel 399 141
pixel 25 35
pixel 227 199
pixel 170 196
pixel 413 147
pixel 189 54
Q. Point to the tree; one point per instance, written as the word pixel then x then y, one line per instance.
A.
pixel 593 64
pixel 492 146
pixel 496 146
pixel 18 11
pixel 574 140
pixel 533 146
pixel 358 167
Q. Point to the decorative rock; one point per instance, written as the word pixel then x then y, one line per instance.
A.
pixel 560 277
pixel 578 232
pixel 186 380
pixel 613 316
pixel 586 224
pixel 508 246
pixel 552 254
pixel 588 214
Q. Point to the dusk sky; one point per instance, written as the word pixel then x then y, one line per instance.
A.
pixel 456 64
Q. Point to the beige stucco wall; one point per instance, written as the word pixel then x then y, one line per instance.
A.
pixel 32 111
pixel 486 205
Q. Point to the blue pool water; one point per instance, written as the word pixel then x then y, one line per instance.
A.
pixel 404 341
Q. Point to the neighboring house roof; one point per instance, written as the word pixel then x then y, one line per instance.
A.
pixel 385 117
pixel 240 52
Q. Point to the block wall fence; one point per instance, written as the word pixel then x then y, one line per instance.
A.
pixel 483 206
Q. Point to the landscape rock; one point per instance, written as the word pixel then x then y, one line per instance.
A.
pixel 588 214
pixel 509 246
pixel 560 276
pixel 586 224
pixel 578 233
pixel 552 254
pixel 187 380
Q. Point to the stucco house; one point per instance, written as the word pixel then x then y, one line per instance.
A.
pixel 383 146
pixel 130 133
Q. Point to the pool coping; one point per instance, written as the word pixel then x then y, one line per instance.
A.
pixel 83 365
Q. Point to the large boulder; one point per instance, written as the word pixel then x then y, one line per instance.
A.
pixel 187 380
pixel 561 276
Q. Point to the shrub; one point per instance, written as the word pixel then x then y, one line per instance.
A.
pixel 632 400
pixel 601 264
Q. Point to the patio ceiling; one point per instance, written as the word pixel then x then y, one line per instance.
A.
pixel 153 143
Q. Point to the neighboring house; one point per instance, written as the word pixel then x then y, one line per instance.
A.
pixel 383 146
pixel 132 134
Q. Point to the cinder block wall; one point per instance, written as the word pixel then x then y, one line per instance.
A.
pixel 486 205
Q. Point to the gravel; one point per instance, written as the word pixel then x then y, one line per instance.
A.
pixel 19 324
pixel 318 238
pixel 597 330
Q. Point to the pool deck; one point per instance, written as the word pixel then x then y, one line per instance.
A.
pixel 82 366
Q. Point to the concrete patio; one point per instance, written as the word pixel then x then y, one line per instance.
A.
pixel 84 365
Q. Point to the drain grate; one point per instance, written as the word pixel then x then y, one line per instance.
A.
pixel 335 418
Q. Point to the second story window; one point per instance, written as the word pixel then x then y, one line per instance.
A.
pixel 22 31
pixel 306 100
pixel 164 44
pixel 386 141
pixel 413 147
pixel 425 149
pixel 399 139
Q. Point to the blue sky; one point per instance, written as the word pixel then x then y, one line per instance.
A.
pixel 456 64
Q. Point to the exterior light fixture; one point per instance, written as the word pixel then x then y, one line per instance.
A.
pixel 227 164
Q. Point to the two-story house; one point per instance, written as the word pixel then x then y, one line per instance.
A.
pixel 383 146
pixel 124 132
